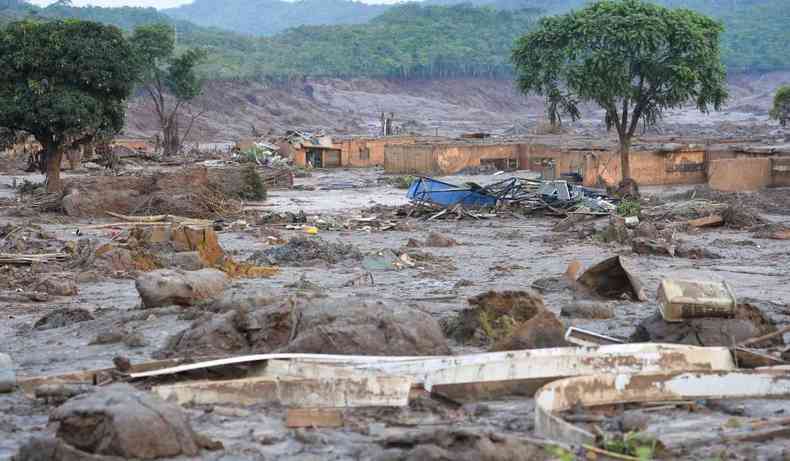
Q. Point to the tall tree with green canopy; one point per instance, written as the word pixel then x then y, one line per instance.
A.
pixel 64 82
pixel 634 59
pixel 169 79
pixel 781 109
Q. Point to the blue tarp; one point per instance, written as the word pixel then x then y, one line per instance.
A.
pixel 447 195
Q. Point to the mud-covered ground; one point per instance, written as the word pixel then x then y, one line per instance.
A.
pixel 501 253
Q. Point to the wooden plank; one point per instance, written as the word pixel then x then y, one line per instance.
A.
pixel 707 221
pixel 313 417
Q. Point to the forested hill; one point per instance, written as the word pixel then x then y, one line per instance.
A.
pixel 413 41
pixel 268 17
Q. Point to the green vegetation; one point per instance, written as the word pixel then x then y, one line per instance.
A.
pixel 165 73
pixel 64 82
pixel 633 59
pixel 254 189
pixel 781 108
pixel 628 208
pixel 636 444
pixel 405 41
pixel 245 16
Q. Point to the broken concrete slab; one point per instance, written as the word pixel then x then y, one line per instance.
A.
pixel 121 421
pixel 607 389
pixel 184 288
pixel 349 392
pixel 588 310
pixel 680 300
pixel 613 278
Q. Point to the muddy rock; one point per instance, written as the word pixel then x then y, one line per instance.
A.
pixel 122 421
pixel 749 322
pixel 438 240
pixel 542 331
pixel 493 315
pixel 71 202
pixel 53 449
pixel 459 445
pixel 643 246
pixel 325 326
pixel 64 317
pixel 303 251
pixel 186 260
pixel 7 374
pixel 588 310
pixel 58 284
pixel 184 288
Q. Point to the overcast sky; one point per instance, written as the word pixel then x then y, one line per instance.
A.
pixel 154 3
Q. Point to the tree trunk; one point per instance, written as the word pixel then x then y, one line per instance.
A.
pixel 170 144
pixel 54 155
pixel 625 158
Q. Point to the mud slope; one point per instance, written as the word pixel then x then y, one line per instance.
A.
pixel 232 108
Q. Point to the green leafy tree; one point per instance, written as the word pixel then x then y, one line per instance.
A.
pixel 64 82
pixel 781 109
pixel 633 59
pixel 169 79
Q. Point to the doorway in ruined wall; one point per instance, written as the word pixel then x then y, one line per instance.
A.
pixel 314 158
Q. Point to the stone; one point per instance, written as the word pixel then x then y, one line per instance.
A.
pixel 51 449
pixel 58 284
pixel 184 288
pixel 121 421
pixel 494 314
pixel 544 330
pixel 63 317
pixel 71 203
pixel 588 310
pixel 7 374
pixel 186 260
pixel 438 240
pixel 749 322
pixel 342 326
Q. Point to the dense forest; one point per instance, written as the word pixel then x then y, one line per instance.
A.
pixel 415 41
pixel 268 17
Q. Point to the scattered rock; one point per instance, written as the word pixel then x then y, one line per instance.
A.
pixel 186 260
pixel 542 331
pixel 184 288
pixel 113 336
pixel 58 284
pixel 643 246
pixel 71 202
pixel 121 421
pixel 494 315
pixel 7 374
pixel 588 310
pixel 329 326
pixel 438 240
pixel 460 445
pixel 134 340
pixel 749 322
pixel 51 449
pixel 304 251
pixel 63 317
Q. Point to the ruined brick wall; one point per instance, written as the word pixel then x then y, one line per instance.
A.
pixel 780 172
pixel 369 152
pixel 647 168
pixel 740 174
pixel 442 159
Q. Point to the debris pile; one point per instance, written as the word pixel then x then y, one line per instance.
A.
pixel 304 251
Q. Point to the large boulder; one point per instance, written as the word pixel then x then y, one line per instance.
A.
pixel 493 315
pixel 258 324
pixel 544 330
pixel 184 288
pixel 122 421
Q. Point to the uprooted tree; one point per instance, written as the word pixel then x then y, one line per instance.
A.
pixel 634 59
pixel 781 109
pixel 64 82
pixel 169 79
